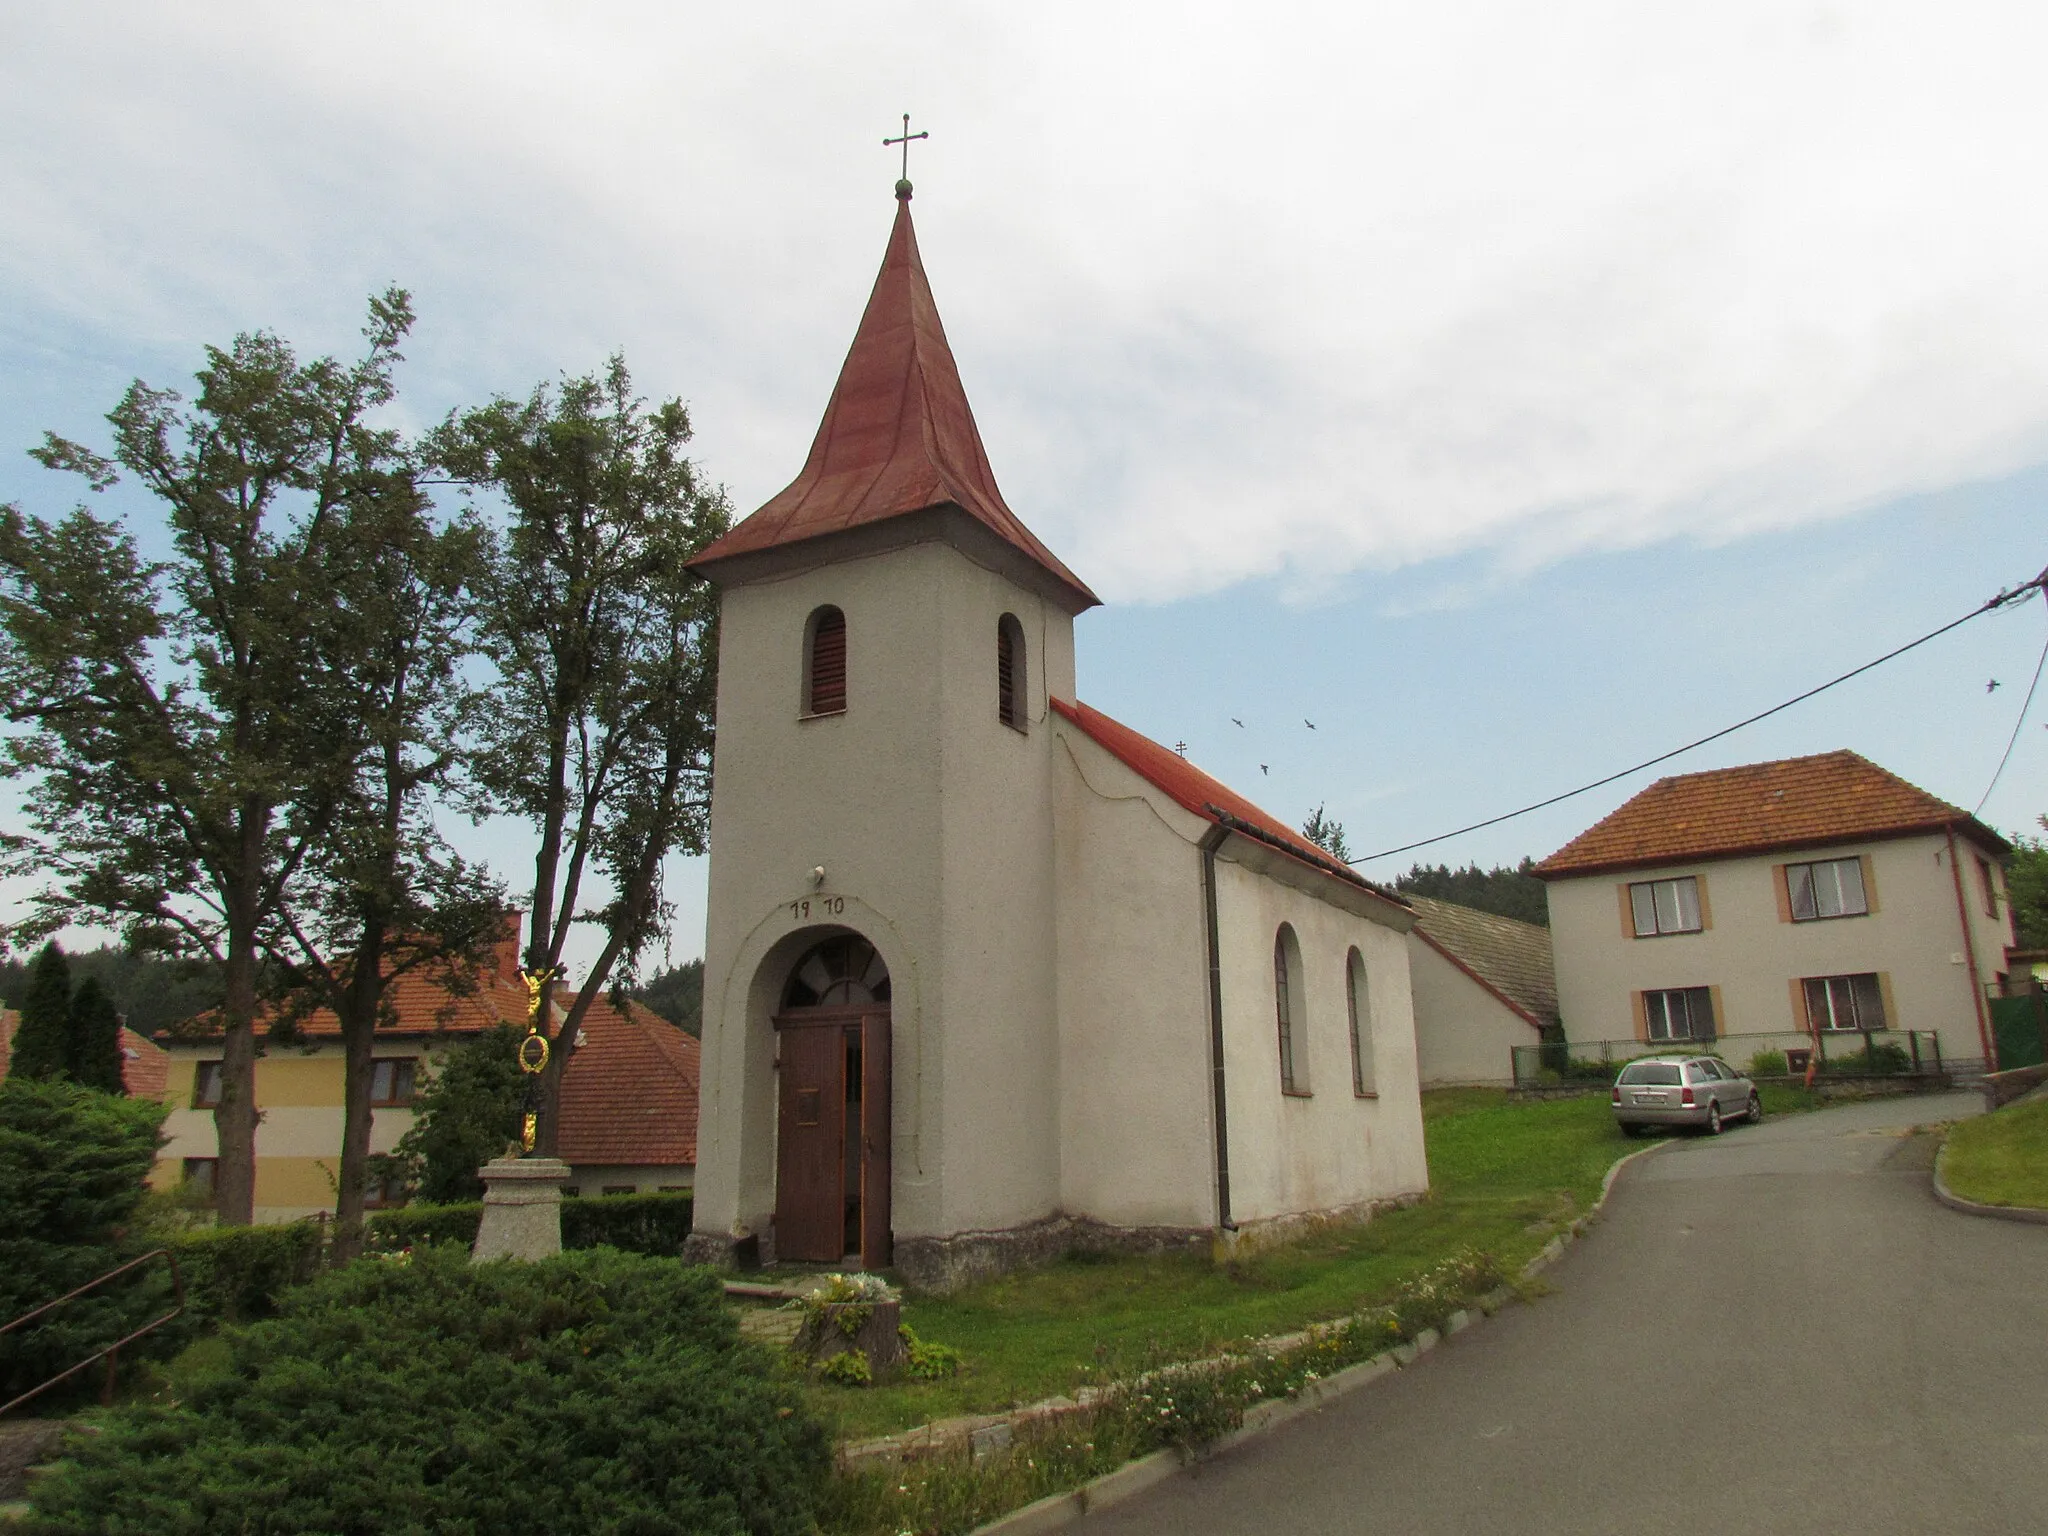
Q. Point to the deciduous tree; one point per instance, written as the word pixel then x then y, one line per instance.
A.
pixel 188 742
pixel 600 732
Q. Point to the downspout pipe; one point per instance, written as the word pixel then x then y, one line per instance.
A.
pixel 1955 868
pixel 1211 841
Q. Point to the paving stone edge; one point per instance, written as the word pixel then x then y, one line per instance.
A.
pixel 1056 1511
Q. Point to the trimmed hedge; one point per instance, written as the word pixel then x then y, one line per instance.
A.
pixel 594 1391
pixel 240 1274
pixel 649 1224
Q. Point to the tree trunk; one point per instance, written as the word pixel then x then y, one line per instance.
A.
pixel 234 1118
pixel 361 999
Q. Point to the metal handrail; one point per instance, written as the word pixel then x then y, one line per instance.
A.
pixel 112 1353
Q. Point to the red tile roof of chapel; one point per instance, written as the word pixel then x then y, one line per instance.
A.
pixel 1211 799
pixel 1797 802
pixel 630 1097
pixel 898 436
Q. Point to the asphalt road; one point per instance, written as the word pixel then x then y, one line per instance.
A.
pixel 1778 1330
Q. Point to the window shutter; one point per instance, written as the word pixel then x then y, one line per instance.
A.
pixel 1642 1020
pixel 828 663
pixel 1784 893
pixel 1706 906
pixel 1869 883
pixel 1006 675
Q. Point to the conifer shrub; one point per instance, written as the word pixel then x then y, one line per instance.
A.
pixel 651 1224
pixel 594 1391
pixel 72 1166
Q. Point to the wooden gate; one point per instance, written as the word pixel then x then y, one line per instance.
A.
pixel 832 1136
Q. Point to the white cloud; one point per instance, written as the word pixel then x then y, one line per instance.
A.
pixel 1300 292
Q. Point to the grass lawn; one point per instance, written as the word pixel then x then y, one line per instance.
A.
pixel 2001 1158
pixel 1506 1177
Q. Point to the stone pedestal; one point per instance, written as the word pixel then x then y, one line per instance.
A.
pixel 522 1208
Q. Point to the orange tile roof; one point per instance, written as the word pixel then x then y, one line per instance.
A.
pixel 1193 790
pixel 630 1096
pixel 144 1068
pixel 1798 802
pixel 897 436
pixel 421 1002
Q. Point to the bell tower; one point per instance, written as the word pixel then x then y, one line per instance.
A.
pixel 890 633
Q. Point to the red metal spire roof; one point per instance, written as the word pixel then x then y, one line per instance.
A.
pixel 898 436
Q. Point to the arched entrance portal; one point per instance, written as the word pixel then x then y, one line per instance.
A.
pixel 832 1125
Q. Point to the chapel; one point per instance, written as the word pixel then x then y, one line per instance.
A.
pixel 990 976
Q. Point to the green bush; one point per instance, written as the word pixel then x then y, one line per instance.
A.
pixel 240 1274
pixel 596 1391
pixel 72 1165
pixel 1767 1064
pixel 649 1224
pixel 414 1226
pixel 1879 1061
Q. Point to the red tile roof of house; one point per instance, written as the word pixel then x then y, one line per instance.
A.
pixel 420 1002
pixel 144 1068
pixel 1193 790
pixel 1798 802
pixel 630 1096
pixel 897 437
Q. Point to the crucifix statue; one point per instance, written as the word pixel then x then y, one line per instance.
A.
pixel 903 184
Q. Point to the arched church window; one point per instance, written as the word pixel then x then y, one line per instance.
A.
pixel 825 663
pixel 1010 674
pixel 1287 1007
pixel 843 972
pixel 1358 1003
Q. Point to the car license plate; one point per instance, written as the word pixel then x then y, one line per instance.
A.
pixel 1649 1098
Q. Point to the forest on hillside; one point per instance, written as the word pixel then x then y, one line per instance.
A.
pixel 1510 891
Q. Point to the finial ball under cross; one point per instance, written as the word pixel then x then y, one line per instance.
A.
pixel 903 185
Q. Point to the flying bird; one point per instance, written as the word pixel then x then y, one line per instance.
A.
pixel 1237 722
pixel 1262 769
pixel 1992 686
pixel 1309 723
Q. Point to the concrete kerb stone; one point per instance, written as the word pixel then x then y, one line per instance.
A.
pixel 1059 1510
pixel 1956 1202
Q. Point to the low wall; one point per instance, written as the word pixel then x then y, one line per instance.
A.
pixel 2001 1088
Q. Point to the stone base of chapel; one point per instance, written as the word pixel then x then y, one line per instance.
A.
pixel 943 1264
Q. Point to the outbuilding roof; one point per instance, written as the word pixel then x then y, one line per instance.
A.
pixel 898 436
pixel 630 1097
pixel 1193 790
pixel 1510 958
pixel 144 1068
pixel 1796 802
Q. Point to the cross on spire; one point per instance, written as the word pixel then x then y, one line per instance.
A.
pixel 903 185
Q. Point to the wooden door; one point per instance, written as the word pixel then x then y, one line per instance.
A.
pixel 810 1144
pixel 874 1141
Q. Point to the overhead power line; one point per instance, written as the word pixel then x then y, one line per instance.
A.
pixel 2013 740
pixel 2002 600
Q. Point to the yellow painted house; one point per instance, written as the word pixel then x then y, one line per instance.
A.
pixel 631 1093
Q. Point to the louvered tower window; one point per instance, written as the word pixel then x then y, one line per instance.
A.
pixel 1010 671
pixel 825 664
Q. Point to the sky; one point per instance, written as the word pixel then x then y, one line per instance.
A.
pixel 1515 392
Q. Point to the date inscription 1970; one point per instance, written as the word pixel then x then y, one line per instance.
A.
pixel 824 906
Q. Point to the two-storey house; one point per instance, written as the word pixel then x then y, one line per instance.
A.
pixel 1812 903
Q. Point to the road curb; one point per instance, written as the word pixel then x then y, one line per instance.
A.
pixel 1956 1202
pixel 1059 1510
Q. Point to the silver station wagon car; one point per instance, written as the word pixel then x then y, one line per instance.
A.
pixel 1701 1091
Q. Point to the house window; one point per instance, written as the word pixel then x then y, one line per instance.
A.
pixel 1830 888
pixel 199 1172
pixel 825 663
pixel 1989 879
pixel 1287 1008
pixel 206 1085
pixel 1685 1013
pixel 391 1082
pixel 1010 671
pixel 1844 1002
pixel 1358 1003
pixel 1665 906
